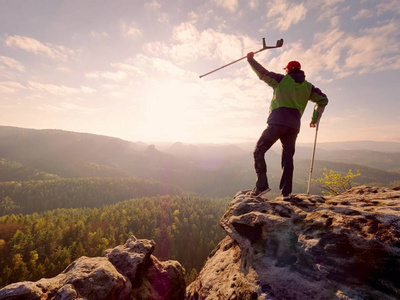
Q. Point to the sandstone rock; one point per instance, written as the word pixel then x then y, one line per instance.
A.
pixel 129 257
pixel 85 278
pixel 128 271
pixel 161 281
pixel 341 247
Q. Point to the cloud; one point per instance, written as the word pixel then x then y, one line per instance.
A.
pixel 115 76
pixel 363 14
pixel 284 15
pixel 65 107
pixel 60 90
pixel 11 63
pixel 9 87
pixel 343 53
pixel 376 48
pixel 163 18
pixel 230 5
pixel 128 66
pixel 130 30
pixel 323 4
pixel 334 50
pixel 63 69
pixel 188 44
pixel 95 34
pixel 31 45
pixel 154 5
pixel 253 4
pixel 149 67
pixel 389 6
pixel 161 65
pixel 130 77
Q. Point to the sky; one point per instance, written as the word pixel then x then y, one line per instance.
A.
pixel 130 68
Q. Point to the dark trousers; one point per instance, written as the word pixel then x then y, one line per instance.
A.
pixel 270 135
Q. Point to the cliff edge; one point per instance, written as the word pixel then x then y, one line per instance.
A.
pixel 338 247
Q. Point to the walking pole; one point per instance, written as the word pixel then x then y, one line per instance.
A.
pixel 279 43
pixel 312 159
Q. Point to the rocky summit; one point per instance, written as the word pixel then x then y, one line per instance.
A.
pixel 311 247
pixel 128 271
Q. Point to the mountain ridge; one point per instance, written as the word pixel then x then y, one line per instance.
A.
pixel 215 170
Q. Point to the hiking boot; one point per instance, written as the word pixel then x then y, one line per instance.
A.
pixel 287 197
pixel 257 192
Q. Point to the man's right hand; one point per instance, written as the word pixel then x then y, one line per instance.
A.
pixel 250 55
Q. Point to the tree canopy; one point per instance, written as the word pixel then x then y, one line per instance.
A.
pixel 43 244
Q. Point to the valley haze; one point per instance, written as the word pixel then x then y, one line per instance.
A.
pixel 215 170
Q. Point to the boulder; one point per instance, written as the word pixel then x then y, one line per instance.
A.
pixel 161 281
pixel 131 256
pixel 86 278
pixel 128 271
pixel 312 247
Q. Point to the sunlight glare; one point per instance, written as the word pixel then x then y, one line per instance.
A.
pixel 167 113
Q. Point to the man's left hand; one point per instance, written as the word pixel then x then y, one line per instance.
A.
pixel 313 125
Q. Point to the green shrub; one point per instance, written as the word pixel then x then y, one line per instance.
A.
pixel 334 183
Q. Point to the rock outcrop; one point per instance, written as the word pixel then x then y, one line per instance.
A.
pixel 128 271
pixel 339 247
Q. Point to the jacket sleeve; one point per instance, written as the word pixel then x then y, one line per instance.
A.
pixel 320 100
pixel 270 78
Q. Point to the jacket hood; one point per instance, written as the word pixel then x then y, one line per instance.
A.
pixel 297 75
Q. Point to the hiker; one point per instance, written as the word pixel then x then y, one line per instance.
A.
pixel 289 100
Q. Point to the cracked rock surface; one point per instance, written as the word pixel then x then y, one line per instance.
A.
pixel 338 247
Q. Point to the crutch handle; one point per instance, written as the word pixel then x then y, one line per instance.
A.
pixel 279 43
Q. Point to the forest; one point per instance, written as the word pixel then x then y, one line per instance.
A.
pixel 40 195
pixel 38 245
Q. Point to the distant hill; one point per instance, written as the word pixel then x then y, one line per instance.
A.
pixel 369 176
pixel 67 154
pixel 215 170
pixel 387 147
pixel 387 161
pixel 12 170
pixel 362 145
pixel 77 155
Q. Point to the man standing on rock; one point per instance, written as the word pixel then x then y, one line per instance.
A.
pixel 291 95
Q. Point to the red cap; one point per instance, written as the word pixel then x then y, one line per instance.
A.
pixel 294 64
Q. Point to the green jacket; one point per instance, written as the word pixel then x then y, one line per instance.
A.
pixel 291 95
